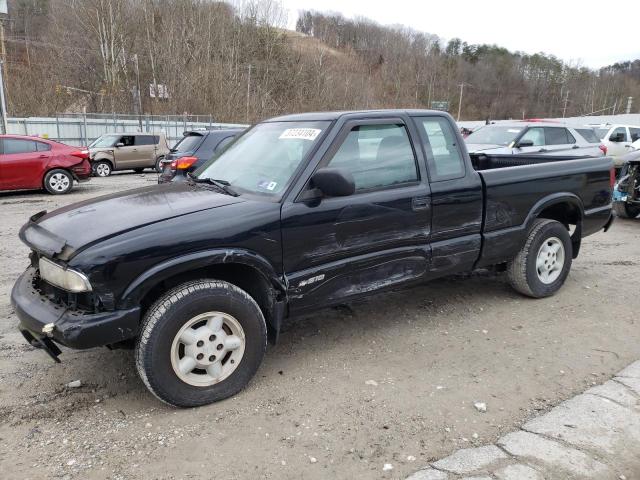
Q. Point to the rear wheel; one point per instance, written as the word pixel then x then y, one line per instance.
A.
pixel 102 168
pixel 201 342
pixel 542 265
pixel 624 210
pixel 159 164
pixel 58 182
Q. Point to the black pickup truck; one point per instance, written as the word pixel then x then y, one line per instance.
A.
pixel 301 212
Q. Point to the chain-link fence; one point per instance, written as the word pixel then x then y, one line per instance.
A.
pixel 82 129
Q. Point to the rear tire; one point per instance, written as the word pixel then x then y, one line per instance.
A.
pixel 200 342
pixel 542 265
pixel 102 168
pixel 158 165
pixel 58 181
pixel 624 210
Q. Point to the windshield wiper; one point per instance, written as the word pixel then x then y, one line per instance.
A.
pixel 221 184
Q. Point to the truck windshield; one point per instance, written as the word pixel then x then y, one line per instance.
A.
pixel 494 135
pixel 105 141
pixel 264 160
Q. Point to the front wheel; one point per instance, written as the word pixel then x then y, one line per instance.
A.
pixel 102 168
pixel 542 265
pixel 201 342
pixel 58 182
pixel 624 210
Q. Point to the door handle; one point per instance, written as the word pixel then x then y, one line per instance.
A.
pixel 542 150
pixel 575 146
pixel 420 203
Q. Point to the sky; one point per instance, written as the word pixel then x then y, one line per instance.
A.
pixel 593 34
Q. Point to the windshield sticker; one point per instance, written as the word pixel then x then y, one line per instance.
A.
pixel 267 185
pixel 301 133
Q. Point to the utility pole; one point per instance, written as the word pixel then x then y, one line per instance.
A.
pixel 460 101
pixel 629 102
pixel 248 92
pixel 139 93
pixel 566 100
pixel 3 101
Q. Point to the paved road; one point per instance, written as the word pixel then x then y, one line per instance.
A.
pixel 595 435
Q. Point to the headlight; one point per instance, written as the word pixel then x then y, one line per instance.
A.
pixel 63 277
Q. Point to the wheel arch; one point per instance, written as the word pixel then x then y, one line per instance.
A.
pixel 247 270
pixel 566 208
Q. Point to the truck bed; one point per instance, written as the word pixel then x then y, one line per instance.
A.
pixel 510 191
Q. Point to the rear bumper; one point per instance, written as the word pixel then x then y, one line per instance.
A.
pixel 71 328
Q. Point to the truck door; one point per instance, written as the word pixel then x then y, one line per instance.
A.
pixel 339 247
pixel 456 198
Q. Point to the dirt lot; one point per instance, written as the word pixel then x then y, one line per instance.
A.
pixel 390 380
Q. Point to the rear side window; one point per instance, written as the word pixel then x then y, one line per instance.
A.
pixel 441 145
pixel 558 136
pixel 588 134
pixel 14 145
pixel 146 140
pixel 377 156
pixel 43 147
pixel 619 130
pixel 188 143
pixel 635 133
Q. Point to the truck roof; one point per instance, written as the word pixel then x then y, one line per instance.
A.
pixel 318 116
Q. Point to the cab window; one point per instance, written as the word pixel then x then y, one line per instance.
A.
pixel 377 156
pixel 441 146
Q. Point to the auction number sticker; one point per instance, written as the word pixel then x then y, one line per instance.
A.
pixel 301 133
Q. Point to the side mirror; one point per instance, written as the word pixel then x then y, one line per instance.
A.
pixel 119 144
pixel 334 182
pixel 524 143
pixel 617 138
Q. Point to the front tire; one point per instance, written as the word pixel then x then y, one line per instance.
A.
pixel 624 210
pixel 102 168
pixel 542 265
pixel 58 182
pixel 200 342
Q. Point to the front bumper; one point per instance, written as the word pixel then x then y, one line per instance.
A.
pixel 71 328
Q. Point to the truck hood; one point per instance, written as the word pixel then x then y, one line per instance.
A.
pixel 64 231
pixel 481 147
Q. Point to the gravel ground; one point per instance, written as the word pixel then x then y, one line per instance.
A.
pixel 391 380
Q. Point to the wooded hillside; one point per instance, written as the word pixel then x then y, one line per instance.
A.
pixel 238 64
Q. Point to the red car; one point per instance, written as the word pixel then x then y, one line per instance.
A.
pixel 29 163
